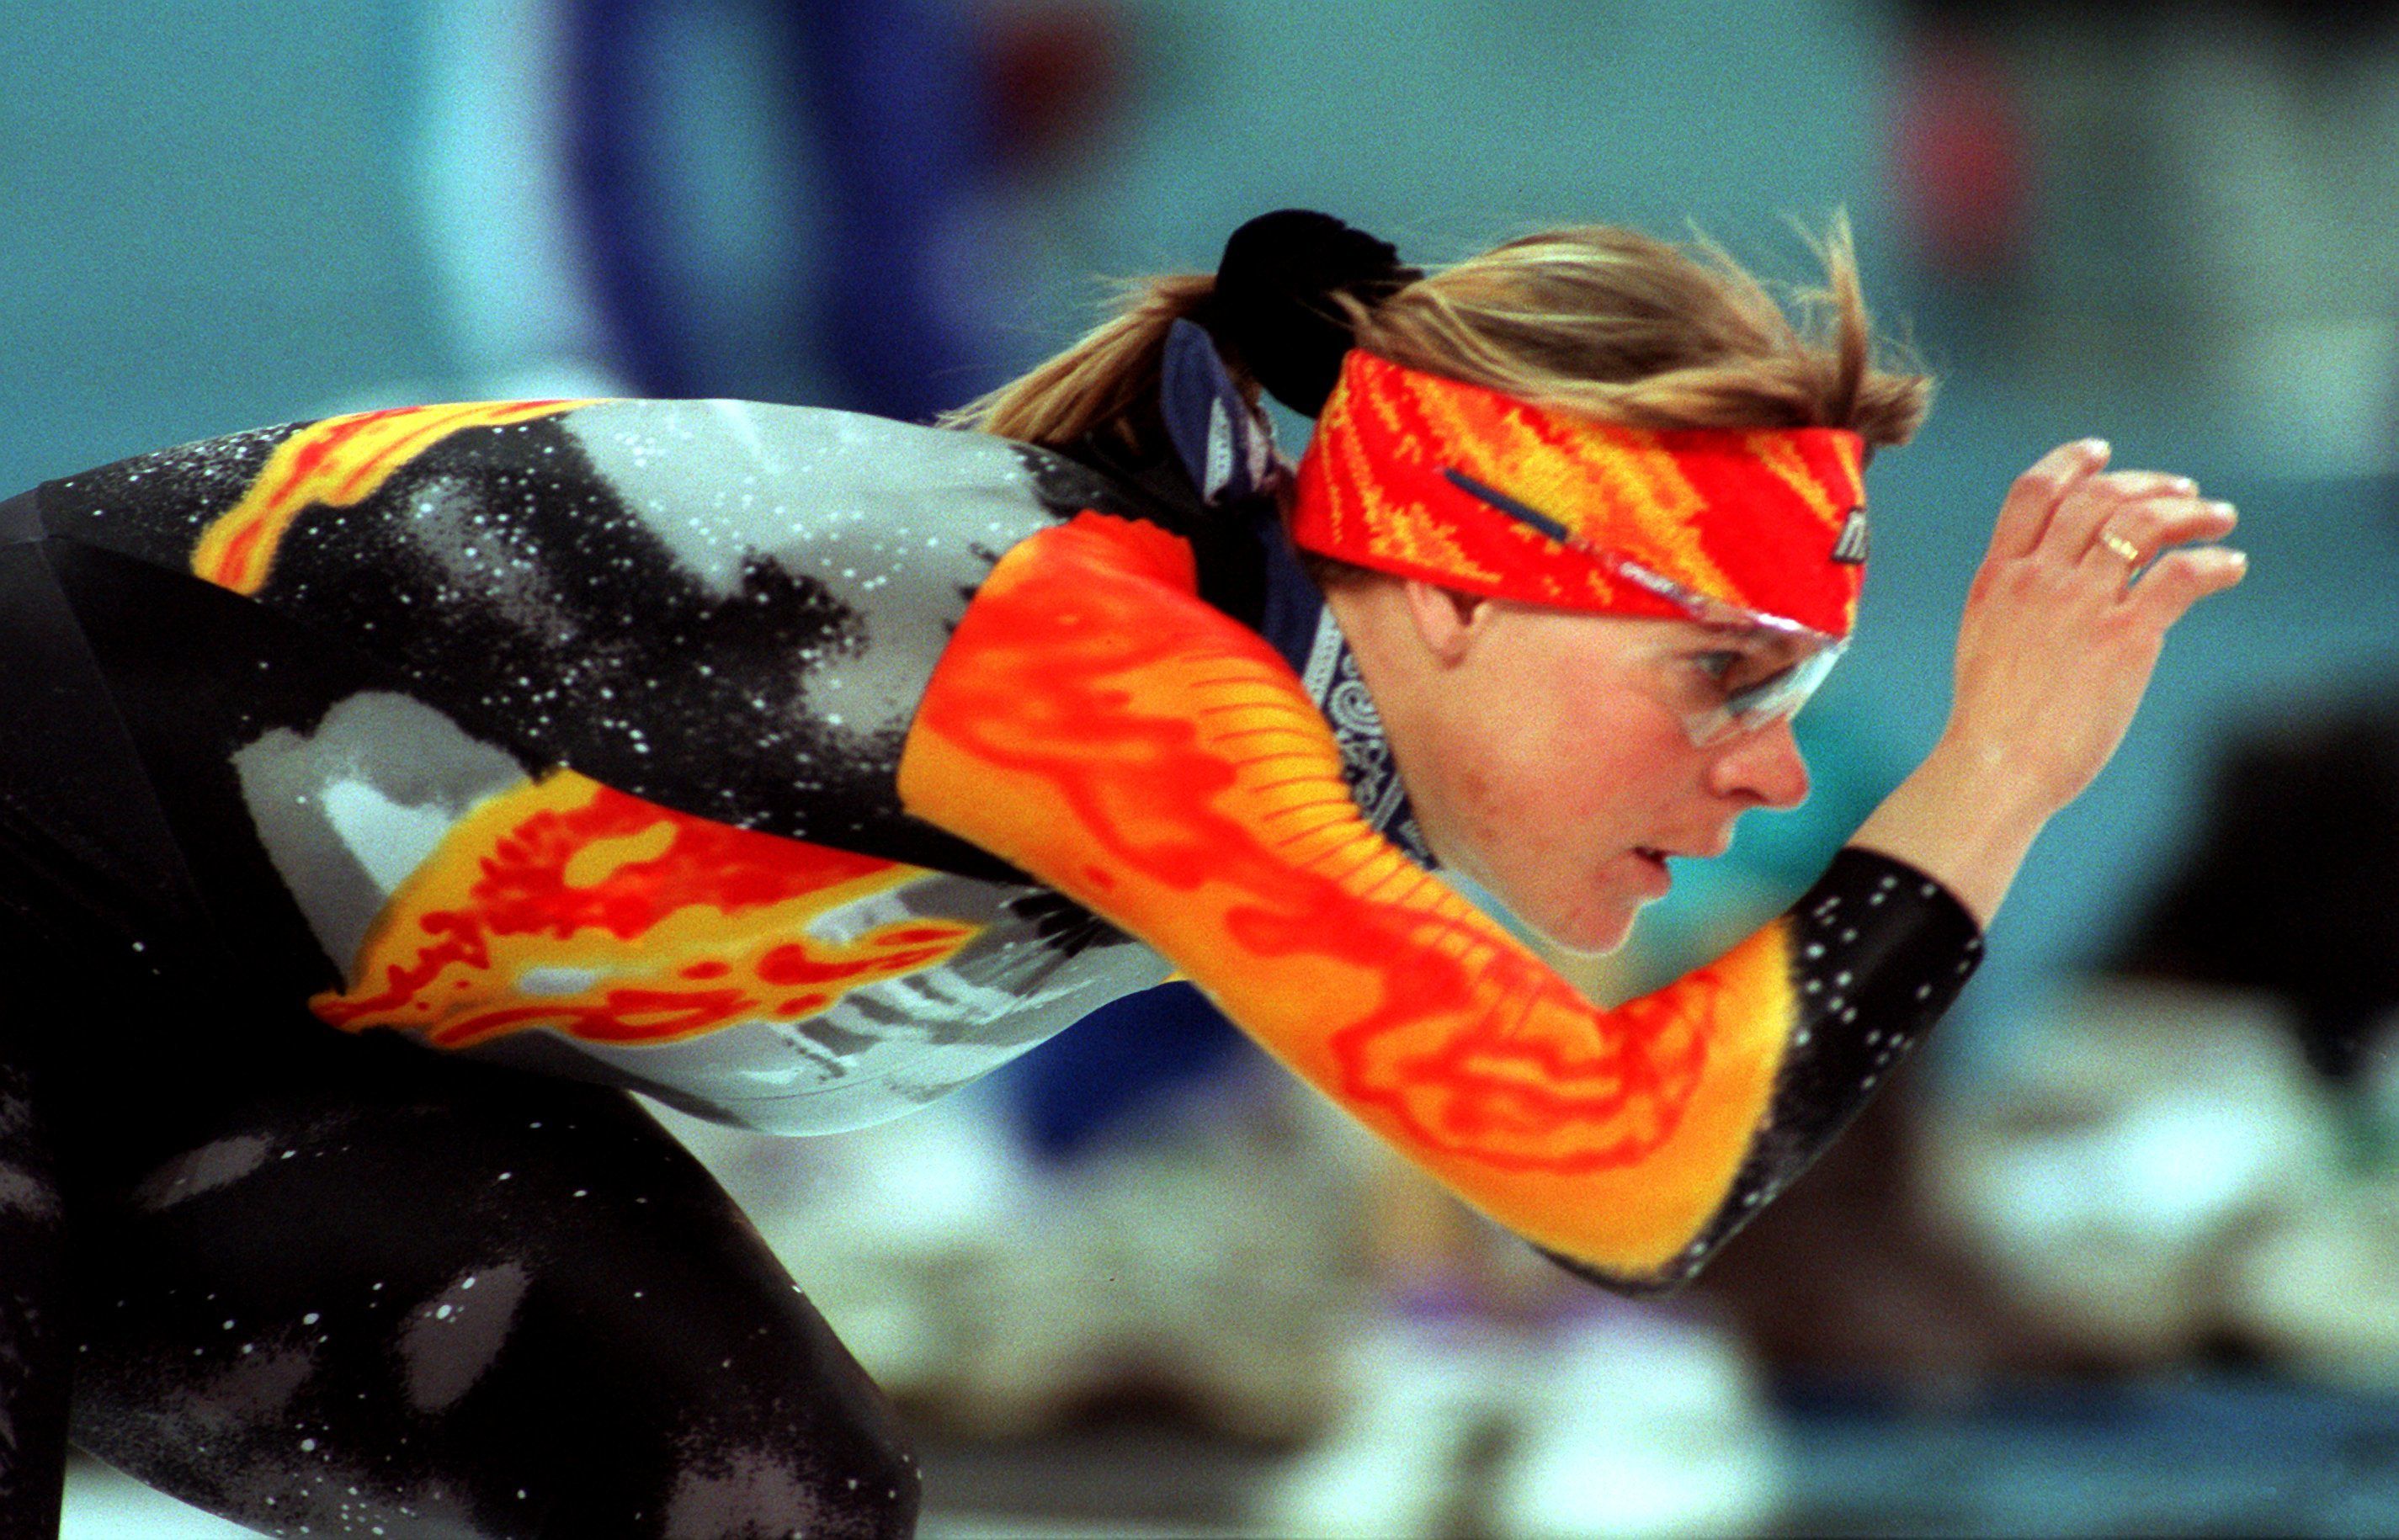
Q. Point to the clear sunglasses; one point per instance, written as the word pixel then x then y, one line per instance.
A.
pixel 1748 705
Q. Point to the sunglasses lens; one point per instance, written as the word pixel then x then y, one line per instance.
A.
pixel 1770 700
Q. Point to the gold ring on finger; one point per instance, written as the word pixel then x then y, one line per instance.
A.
pixel 2120 545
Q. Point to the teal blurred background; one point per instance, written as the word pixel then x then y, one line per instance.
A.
pixel 2168 226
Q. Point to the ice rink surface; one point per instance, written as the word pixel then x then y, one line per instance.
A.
pixel 102 1505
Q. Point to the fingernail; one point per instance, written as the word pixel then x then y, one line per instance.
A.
pixel 2183 485
pixel 2095 448
pixel 2222 510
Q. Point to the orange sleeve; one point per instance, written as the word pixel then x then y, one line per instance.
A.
pixel 1097 725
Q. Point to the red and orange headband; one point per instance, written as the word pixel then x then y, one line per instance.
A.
pixel 1427 476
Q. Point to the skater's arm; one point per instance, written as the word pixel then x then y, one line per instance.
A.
pixel 1096 724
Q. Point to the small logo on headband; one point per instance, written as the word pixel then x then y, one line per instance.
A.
pixel 1850 548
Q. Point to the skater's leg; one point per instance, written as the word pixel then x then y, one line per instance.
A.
pixel 394 1290
pixel 32 1308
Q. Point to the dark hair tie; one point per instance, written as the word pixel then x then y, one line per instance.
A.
pixel 1273 304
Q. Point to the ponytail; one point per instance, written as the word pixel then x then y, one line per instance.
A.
pixel 1278 307
pixel 1106 383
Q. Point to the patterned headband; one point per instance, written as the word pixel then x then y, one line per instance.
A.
pixel 1422 475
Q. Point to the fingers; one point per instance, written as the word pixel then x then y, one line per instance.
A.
pixel 2068 513
pixel 2035 495
pixel 2179 579
pixel 2134 531
pixel 2097 502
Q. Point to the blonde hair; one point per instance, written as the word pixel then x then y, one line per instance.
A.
pixel 1591 319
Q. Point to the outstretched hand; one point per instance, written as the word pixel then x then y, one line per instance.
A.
pixel 2088 570
pixel 2066 618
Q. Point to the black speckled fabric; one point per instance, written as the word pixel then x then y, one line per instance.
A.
pixel 342 1283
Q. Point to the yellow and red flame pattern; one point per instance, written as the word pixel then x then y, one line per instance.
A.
pixel 651 926
pixel 1097 723
pixel 338 462
pixel 1750 518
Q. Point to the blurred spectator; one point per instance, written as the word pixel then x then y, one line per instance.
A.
pixel 1961 152
pixel 2291 888
pixel 775 200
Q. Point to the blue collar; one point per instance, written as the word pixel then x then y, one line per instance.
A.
pixel 1299 626
pixel 1227 448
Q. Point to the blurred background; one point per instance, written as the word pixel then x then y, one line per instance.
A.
pixel 2119 1255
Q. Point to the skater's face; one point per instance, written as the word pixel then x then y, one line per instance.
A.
pixel 1550 756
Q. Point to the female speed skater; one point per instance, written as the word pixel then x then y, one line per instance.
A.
pixel 381 797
